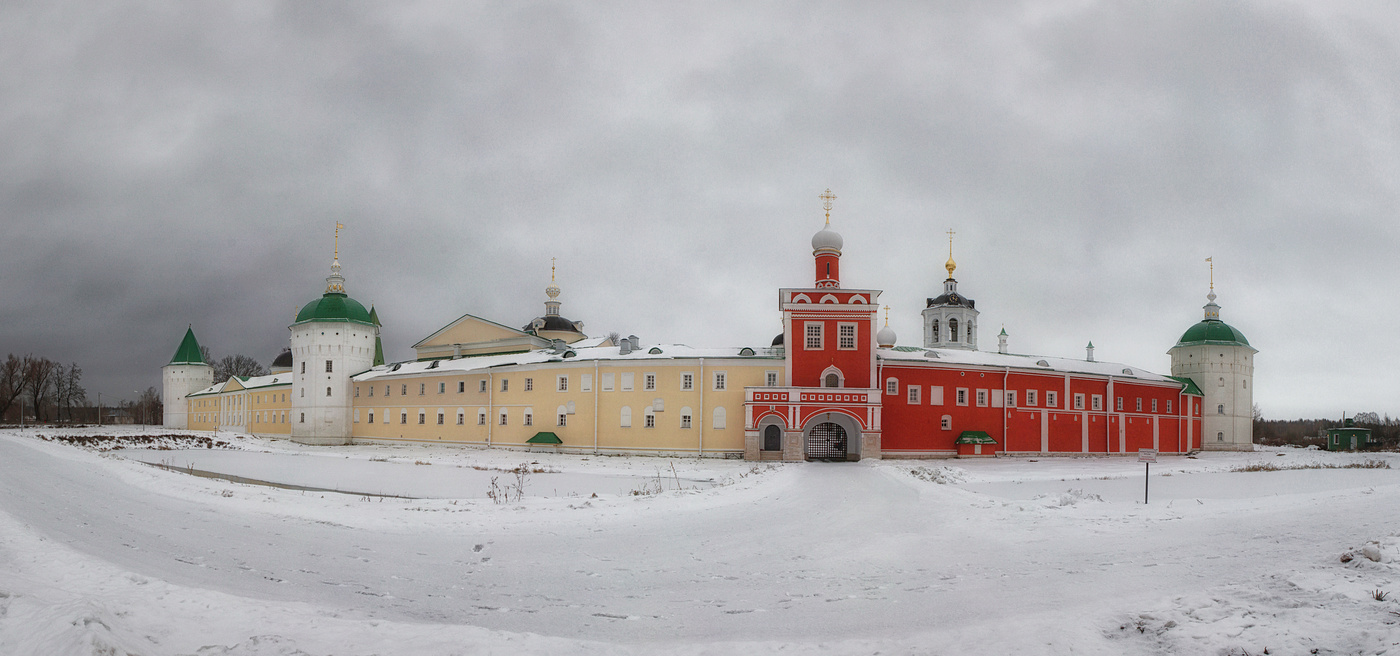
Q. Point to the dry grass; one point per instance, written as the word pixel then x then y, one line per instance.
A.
pixel 1269 466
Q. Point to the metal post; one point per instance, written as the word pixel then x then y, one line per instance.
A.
pixel 1146 476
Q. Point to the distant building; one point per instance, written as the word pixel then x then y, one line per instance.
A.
pixel 833 385
pixel 1349 437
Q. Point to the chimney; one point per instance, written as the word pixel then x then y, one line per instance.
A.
pixel 1090 350
pixel 635 341
pixel 624 347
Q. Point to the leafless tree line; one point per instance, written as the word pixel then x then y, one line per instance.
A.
pixel 48 389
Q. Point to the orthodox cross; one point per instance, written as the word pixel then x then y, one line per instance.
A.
pixel 1211 259
pixel 338 227
pixel 827 197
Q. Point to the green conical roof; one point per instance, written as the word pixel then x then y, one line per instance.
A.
pixel 334 306
pixel 378 351
pixel 1212 331
pixel 374 316
pixel 188 353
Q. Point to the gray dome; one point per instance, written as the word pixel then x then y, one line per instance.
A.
pixel 885 338
pixel 827 239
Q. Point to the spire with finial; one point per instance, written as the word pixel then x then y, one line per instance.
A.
pixel 951 264
pixel 551 307
pixel 827 197
pixel 1212 310
pixel 335 283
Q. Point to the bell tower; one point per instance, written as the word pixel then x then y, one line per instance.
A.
pixel 950 319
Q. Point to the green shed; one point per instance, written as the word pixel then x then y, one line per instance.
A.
pixel 1348 437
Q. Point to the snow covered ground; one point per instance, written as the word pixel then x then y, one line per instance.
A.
pixel 103 554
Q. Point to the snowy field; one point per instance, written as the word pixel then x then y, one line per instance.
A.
pixel 102 553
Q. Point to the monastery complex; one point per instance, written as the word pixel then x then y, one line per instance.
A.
pixel 834 385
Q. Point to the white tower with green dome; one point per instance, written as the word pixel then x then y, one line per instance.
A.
pixel 186 373
pixel 1218 358
pixel 333 338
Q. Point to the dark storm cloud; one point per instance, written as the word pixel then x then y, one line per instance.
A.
pixel 168 164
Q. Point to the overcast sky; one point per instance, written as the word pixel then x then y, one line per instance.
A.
pixel 181 163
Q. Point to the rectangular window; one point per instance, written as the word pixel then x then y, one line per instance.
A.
pixel 687 381
pixel 422 418
pixel 481 386
pixel 935 395
pixel 403 417
pixel 685 421
pixel 461 418
pixel 606 381
pixel 328 366
pixel 503 417
pixel 814 335
pixel 422 388
pixel 481 418
pixel 529 418
pixel 651 420
pixel 1030 397
pixel 981 398
pixel 403 390
pixel 1139 404
pixel 892 386
pixel 505 384
pixel 357 394
pixel 770 378
pixel 846 336
pixel 1010 398
pixel 913 393
pixel 962 396
pixel 1120 404
pixel 529 384
pixel 585 382
pixel 628 380
pixel 1169 405
pixel 719 381
pixel 563 419
pixel 461 386
pixel 371 416
pixel 562 384
pixel 439 418
pixel 303 371
pixel 649 382
pixel 442 387
pixel 1078 401
pixel 1052 399
pixel 1098 402
pixel 371 391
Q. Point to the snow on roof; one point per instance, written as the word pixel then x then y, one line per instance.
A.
pixel 267 381
pixel 573 353
pixel 1023 362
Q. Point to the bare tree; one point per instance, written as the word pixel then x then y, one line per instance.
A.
pixel 206 355
pixel 237 365
pixel 68 389
pixel 39 380
pixel 11 382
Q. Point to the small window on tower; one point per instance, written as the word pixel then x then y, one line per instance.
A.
pixel 952 330
pixel 934 331
pixel 328 366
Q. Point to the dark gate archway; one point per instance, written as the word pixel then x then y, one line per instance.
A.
pixel 773 438
pixel 826 441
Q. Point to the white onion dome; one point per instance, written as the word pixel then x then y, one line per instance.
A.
pixel 885 338
pixel 826 239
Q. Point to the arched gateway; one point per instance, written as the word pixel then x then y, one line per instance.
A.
pixel 826 441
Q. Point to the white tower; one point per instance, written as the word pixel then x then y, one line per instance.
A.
pixel 1218 358
pixel 333 339
pixel 186 373
pixel 950 320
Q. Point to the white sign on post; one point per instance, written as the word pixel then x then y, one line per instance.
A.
pixel 1147 455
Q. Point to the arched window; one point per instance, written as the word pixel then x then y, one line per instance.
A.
pixel 1222 383
pixel 969 332
pixel 1219 437
pixel 952 330
pixel 936 335
pixel 1220 409
pixel 1244 384
pixel 832 380
pixel 947 423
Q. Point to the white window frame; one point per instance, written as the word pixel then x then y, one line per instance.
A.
pixel 961 396
pixel 629 380
pixel 842 337
pixel 1052 399
pixel 606 380
pixel 813 332
pixel 1120 404
pixel 442 388
pixel 912 395
pixel 770 378
pixel 1139 404
pixel 946 423
pixel 528 419
pixel 529 384
pixel 1030 398
pixel 625 416
pixel 687 381
pixel 721 380
pixel 585 382
pixel 481 386
pixel 1078 400
pixel 981 398
pixel 1097 402
pixel 719 418
pixel 480 417
pixel 561 383
pixel 935 395
pixel 891 386
pixel 505 384
pixel 1010 398
pixel 685 418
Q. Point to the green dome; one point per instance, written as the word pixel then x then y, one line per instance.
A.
pixel 335 307
pixel 1212 332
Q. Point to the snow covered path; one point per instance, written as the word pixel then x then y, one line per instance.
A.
pixel 861 556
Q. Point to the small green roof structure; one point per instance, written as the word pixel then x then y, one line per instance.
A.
pixel 1190 385
pixel 1212 331
pixel 335 306
pixel 189 351
pixel 975 437
pixel 544 437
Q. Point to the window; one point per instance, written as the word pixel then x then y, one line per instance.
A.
pixel 1220 409
pixel 1244 384
pixel 846 336
pixel 687 381
pixel 357 394
pixel 480 417
pixel 718 418
pixel 422 417
pixel 328 366
pixel 1052 399
pixel 649 382
pixel 947 423
pixel 371 417
pixel 1222 383
pixel 814 335
pixel 403 416
pixel 439 417
pixel 1154 405
pixel 969 332
pixel 650 420
pixel 371 390
pixel 562 384
pixel 303 415
pixel 1169 405
pixel 1139 404
pixel 685 418
pixel 303 370
pixel 720 381
pixel 933 331
pixel 935 395
pixel 1220 437
pixel 962 396
pixel 403 391
pixel 422 388
pixel 1098 402
pixel 891 386
pixel 505 384
pixel 442 387
pixel 913 393
pixel 770 378
pixel 1010 398
pixel 328 391
pixel 503 417
pixel 1120 404
pixel 303 392
pixel 529 418
pixel 563 419
pixel 981 398
pixel 1078 401
pixel 461 417
pixel 626 417
pixel 606 381
pixel 832 380
pixel 952 330
pixel 585 383
pixel 461 386
pixel 628 381
pixel 529 384
pixel 481 388
pixel 1030 397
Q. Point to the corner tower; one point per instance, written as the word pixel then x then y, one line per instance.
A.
pixel 333 338
pixel 186 373
pixel 1218 358
pixel 950 319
